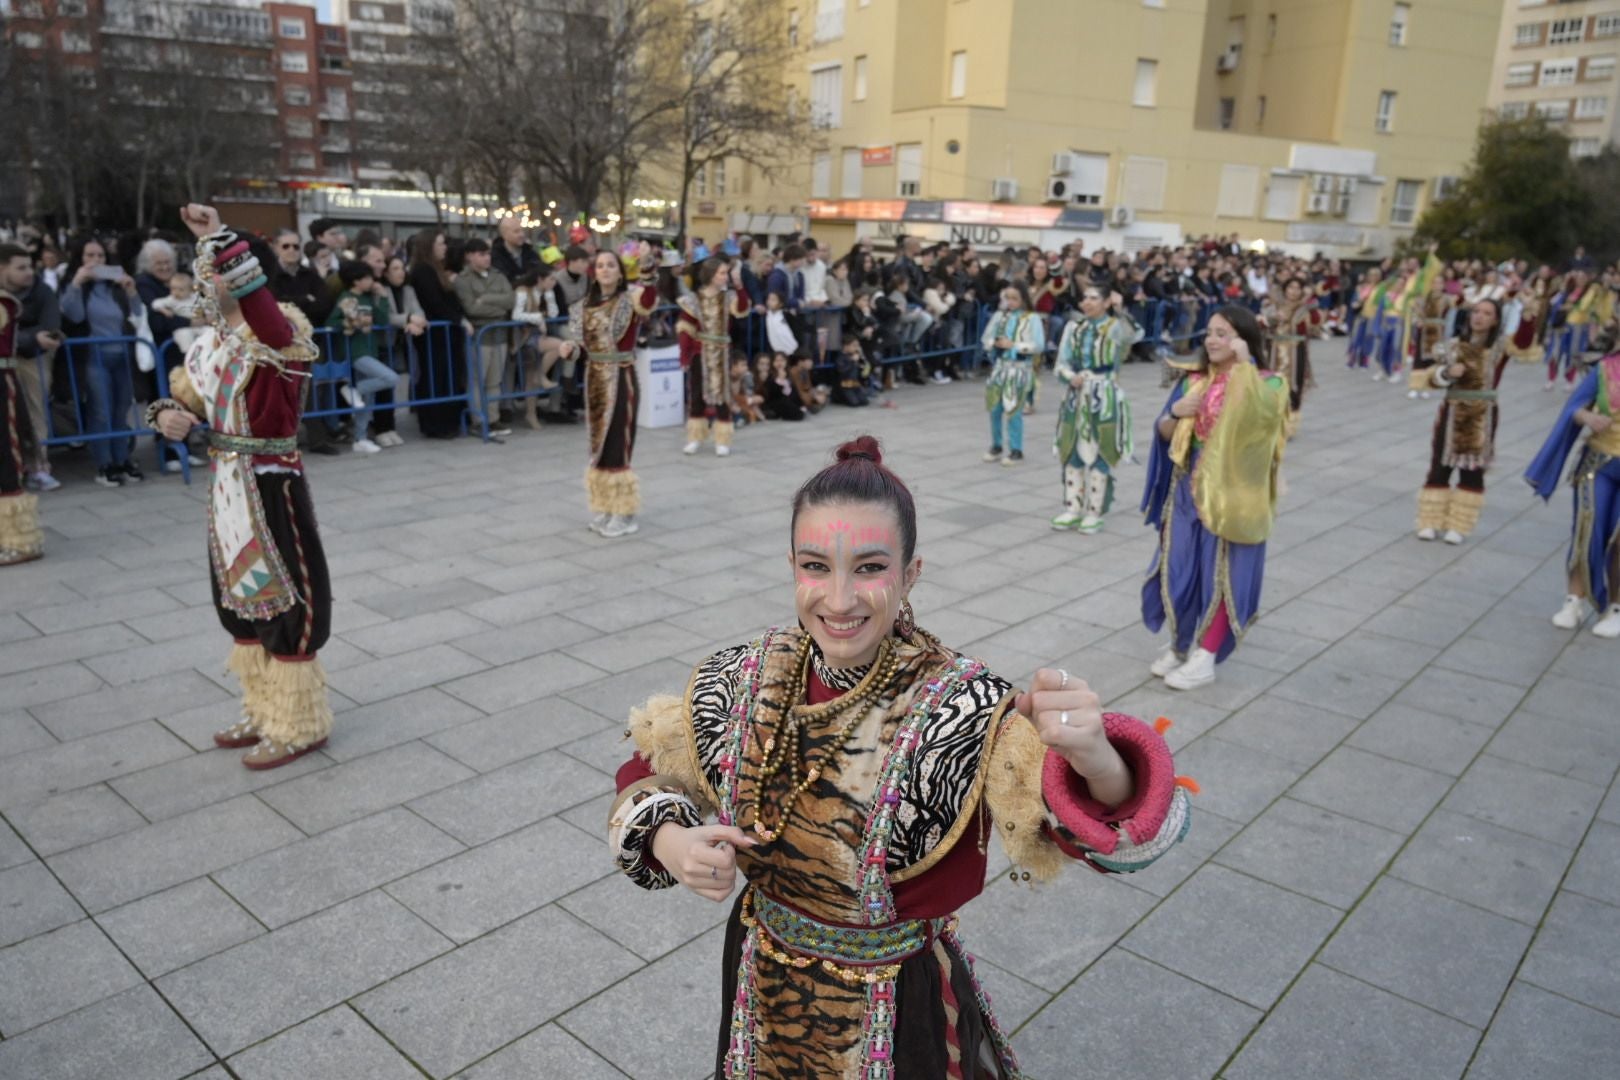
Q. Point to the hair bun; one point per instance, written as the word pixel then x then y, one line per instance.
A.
pixel 863 447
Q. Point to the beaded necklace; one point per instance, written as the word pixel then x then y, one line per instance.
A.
pixel 782 745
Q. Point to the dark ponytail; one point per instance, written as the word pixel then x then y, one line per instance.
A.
pixel 858 475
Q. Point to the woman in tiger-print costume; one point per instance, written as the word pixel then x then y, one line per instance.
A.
pixel 855 766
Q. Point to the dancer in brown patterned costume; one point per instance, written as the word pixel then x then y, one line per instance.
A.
pixel 1468 369
pixel 21 539
pixel 855 766
pixel 704 329
pixel 602 326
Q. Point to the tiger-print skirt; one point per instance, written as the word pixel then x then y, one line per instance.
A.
pixel 811 1021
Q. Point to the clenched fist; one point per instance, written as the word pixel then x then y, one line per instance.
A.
pixel 176 424
pixel 704 859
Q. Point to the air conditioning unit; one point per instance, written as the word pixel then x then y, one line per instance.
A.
pixel 1004 189
pixel 1341 205
pixel 1121 216
pixel 1319 204
pixel 1347 185
pixel 1226 61
pixel 1062 164
pixel 1059 189
pixel 1322 184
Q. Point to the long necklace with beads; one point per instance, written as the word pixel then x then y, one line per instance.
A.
pixel 782 746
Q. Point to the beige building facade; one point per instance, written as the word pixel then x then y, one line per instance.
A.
pixel 1557 60
pixel 1317 125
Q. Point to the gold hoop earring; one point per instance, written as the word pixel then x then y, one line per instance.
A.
pixel 906 623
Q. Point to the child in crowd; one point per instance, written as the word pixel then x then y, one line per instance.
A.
pixel 535 301
pixel 811 396
pixel 746 399
pixel 781 396
pixel 360 309
pixel 853 373
pixel 778 329
pixel 181 303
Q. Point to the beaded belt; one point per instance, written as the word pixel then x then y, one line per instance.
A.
pixel 246 444
pixel 714 339
pixel 854 954
pixel 612 358
pixel 1470 395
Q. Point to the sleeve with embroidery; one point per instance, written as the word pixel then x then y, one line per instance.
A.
pixel 663 781
pixel 1046 814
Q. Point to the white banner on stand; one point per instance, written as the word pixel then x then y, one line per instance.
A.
pixel 663 390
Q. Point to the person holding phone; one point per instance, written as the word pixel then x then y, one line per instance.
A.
pixel 101 301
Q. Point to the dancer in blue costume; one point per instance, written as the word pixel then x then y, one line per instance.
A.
pixel 1212 492
pixel 1013 340
pixel 1594 545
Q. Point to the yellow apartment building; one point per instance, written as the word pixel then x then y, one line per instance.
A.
pixel 1558 60
pixel 1317 125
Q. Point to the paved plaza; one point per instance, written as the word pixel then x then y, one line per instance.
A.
pixel 1405 860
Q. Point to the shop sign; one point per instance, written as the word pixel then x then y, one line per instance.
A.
pixel 877 155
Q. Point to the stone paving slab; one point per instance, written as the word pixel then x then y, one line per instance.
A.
pixel 1403 861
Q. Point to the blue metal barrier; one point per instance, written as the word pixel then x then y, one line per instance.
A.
pixel 77 352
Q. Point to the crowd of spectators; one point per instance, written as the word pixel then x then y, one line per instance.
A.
pixel 823 329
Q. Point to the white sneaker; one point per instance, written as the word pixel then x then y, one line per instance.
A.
pixel 1568 386
pixel 1609 625
pixel 599 522
pixel 992 456
pixel 1378 376
pixel 691 448
pixel 1549 386
pixel 722 451
pixel 387 438
pixel 1089 524
pixel 1168 662
pixel 43 481
pixel 350 398
pixel 1199 670
pixel 1428 534
pixel 366 446
pixel 1454 537
pixel 1424 395
pixel 940 378
pixel 171 466
pixel 619 525
pixel 1068 519
pixel 1571 614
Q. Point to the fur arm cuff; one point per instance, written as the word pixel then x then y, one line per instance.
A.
pixel 662 734
pixel 637 813
pixel 1129 836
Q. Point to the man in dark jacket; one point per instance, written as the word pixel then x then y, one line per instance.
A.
pixel 512 255
pixel 291 282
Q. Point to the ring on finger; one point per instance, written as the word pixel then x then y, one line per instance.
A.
pixel 1064 685
pixel 1063 718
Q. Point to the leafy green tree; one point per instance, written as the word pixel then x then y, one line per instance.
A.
pixel 1522 197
